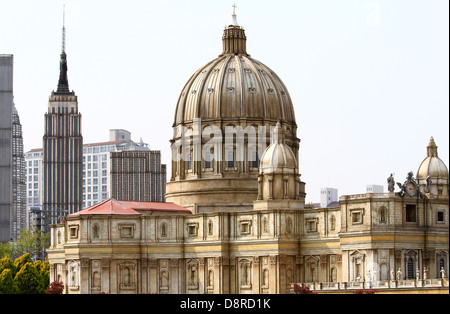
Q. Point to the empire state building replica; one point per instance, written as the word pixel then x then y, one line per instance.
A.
pixel 63 151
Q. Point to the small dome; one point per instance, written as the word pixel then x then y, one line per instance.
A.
pixel 278 156
pixel 432 165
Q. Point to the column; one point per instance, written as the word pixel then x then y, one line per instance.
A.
pixel 153 277
pixel 256 275
pixel 105 286
pixel 201 275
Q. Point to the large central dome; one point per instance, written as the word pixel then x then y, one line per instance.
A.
pixel 234 86
pixel 237 92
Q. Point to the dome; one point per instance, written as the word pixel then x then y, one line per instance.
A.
pixel 234 86
pixel 222 126
pixel 278 157
pixel 432 165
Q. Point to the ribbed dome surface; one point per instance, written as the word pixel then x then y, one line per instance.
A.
pixel 234 86
pixel 277 156
pixel 432 165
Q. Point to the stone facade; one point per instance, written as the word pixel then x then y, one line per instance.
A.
pixel 368 238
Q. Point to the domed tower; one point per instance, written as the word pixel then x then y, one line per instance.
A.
pixel 279 184
pixel 223 122
pixel 432 175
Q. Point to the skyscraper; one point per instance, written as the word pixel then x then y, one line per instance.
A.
pixel 19 189
pixel 138 176
pixel 12 159
pixel 62 150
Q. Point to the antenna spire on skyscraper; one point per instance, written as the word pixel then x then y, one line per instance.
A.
pixel 64 29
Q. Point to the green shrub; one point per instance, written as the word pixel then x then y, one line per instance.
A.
pixel 22 260
pixel 7 263
pixel 28 280
pixel 7 283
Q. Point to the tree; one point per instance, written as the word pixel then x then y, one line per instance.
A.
pixel 6 249
pixel 28 280
pixel 33 242
pixel 7 283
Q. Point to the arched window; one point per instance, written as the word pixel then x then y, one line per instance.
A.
pixel 95 232
pixel 410 268
pixel 164 230
pixel 383 215
pixel 208 160
pixel 255 163
pixel 230 159
pixel 333 275
pixel 210 228
pixel 441 266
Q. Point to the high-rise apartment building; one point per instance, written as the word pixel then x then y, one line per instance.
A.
pixel 138 176
pixel 97 176
pixel 6 109
pixel 62 151
pixel 328 196
pixel 374 188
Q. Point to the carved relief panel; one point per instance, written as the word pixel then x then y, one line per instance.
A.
pixel 73 275
pixel 96 276
pixel 127 277
pixel 163 276
pixel 245 274
pixel 192 274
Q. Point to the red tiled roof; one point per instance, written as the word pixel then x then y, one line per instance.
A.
pixel 156 206
pixel 115 207
pixel 108 207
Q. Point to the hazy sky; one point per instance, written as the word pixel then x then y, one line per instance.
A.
pixel 368 79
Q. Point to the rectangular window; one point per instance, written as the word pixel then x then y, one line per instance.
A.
pixel 357 216
pixel 192 229
pixel 410 213
pixel 246 227
pixel 73 230
pixel 311 224
pixel 126 231
pixel 440 216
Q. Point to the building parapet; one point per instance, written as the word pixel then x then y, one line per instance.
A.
pixel 378 285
